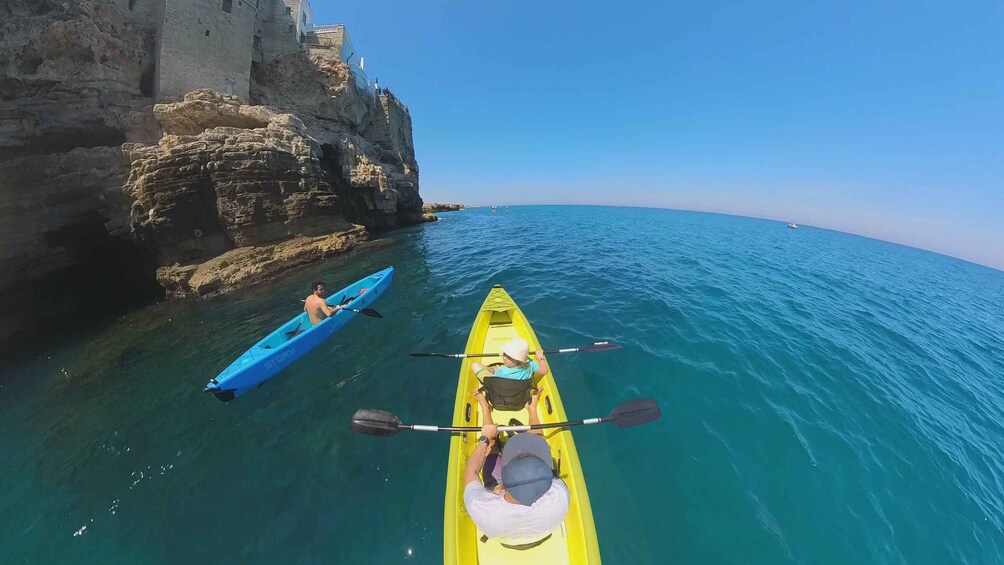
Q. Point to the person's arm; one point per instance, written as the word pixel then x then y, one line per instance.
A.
pixel 486 409
pixel 330 311
pixel 532 410
pixel 542 362
pixel 477 459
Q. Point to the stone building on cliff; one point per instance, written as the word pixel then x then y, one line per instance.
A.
pixel 213 43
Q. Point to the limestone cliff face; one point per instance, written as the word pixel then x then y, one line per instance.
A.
pixel 365 140
pixel 72 80
pixel 73 73
pixel 225 176
pixel 101 187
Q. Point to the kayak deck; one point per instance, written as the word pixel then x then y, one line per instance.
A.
pixel 499 321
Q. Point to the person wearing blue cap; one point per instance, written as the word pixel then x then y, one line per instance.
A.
pixel 529 502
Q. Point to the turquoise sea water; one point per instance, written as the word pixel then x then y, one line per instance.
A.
pixel 827 399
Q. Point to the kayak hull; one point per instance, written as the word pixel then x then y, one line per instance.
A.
pixel 575 541
pixel 294 339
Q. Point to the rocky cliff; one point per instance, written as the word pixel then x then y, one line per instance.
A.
pixel 365 139
pixel 103 193
pixel 232 193
pixel 74 80
pixel 436 207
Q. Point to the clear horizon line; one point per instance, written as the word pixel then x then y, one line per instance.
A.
pixel 964 259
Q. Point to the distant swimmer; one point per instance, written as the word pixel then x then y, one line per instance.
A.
pixel 316 307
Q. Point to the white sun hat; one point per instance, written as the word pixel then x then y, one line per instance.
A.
pixel 517 349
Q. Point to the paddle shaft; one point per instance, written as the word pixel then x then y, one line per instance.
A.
pixel 526 428
pixel 626 415
pixel 346 308
pixel 466 355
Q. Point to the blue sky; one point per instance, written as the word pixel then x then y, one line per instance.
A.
pixel 884 119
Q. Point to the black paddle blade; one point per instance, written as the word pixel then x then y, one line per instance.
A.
pixel 635 413
pixel 371 313
pixel 428 355
pixel 375 423
pixel 601 346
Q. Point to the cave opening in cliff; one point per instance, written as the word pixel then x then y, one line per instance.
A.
pixel 110 276
pixel 88 134
pixel 354 206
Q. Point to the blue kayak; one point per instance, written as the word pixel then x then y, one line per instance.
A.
pixel 295 338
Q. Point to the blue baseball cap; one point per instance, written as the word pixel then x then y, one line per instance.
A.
pixel 526 468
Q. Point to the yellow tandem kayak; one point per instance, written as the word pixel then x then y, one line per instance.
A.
pixel 574 542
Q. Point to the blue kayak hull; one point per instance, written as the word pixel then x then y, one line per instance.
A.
pixel 295 338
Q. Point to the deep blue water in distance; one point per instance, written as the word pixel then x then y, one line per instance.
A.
pixel 827 399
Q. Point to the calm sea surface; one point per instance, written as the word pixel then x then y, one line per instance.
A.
pixel 827 399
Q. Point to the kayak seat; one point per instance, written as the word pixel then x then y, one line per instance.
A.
pixel 507 394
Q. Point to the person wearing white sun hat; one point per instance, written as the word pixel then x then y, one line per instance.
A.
pixel 516 364
pixel 511 384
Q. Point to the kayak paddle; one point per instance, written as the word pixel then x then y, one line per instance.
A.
pixel 592 348
pixel 384 424
pixel 365 311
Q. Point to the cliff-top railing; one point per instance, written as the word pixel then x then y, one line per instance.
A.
pixel 328 28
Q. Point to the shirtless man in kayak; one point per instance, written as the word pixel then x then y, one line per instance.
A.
pixel 316 307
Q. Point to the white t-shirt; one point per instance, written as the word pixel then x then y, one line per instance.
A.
pixel 500 519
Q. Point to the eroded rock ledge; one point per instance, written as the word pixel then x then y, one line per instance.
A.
pixel 223 190
pixel 246 265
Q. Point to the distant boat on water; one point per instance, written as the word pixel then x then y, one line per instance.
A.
pixel 793 225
